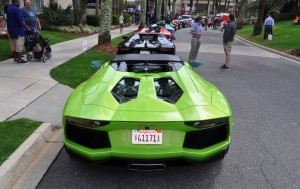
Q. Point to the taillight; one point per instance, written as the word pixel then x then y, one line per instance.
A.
pixel 86 122
pixel 166 50
pixel 207 123
pixel 124 49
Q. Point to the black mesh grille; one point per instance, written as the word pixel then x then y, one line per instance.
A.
pixel 205 138
pixel 87 137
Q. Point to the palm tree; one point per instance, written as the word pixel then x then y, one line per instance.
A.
pixel 191 5
pixel 97 7
pixel 142 23
pixel 173 8
pixel 76 7
pixel 207 8
pixel 158 9
pixel 104 36
pixel 257 28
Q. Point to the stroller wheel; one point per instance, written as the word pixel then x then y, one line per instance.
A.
pixel 44 59
pixel 29 57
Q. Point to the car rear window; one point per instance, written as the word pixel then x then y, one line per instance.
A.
pixel 146 67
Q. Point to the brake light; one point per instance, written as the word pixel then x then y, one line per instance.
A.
pixel 166 50
pixel 124 48
pixel 207 123
pixel 86 122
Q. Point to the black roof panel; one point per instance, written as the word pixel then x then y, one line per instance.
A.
pixel 146 57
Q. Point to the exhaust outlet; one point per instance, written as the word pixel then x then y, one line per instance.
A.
pixel 147 166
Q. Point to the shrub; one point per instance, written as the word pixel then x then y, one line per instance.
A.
pixel 127 18
pixel 284 16
pixel 69 29
pixel 55 15
pixel 115 20
pixel 239 25
pixel 93 20
pixel 296 51
pixel 89 29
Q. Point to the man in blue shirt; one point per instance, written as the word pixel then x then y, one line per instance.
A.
pixel 196 29
pixel 30 16
pixel 269 23
pixel 16 29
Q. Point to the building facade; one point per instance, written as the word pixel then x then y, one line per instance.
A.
pixel 204 6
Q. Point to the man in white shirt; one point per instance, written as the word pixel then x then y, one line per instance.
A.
pixel 269 24
pixel 121 22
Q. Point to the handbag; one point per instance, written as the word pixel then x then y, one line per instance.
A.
pixel 270 37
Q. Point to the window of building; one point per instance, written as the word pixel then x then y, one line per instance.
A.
pixel 37 5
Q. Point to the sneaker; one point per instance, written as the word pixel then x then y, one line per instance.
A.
pixel 22 62
pixel 224 67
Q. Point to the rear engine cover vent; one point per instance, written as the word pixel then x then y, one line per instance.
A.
pixel 167 90
pixel 126 89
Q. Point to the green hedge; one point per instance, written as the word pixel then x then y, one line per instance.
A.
pixel 93 20
pixel 115 20
pixel 296 51
pixel 127 18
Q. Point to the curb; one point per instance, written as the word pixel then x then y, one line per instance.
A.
pixel 269 49
pixel 16 163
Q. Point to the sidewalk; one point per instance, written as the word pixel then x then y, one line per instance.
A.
pixel 28 91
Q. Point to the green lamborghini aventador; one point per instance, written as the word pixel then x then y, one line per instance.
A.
pixel 147 107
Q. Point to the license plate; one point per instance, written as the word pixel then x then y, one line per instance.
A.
pixel 146 136
pixel 144 52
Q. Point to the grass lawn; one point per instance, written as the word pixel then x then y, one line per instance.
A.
pixel 78 69
pixel 13 134
pixel 285 36
pixel 54 37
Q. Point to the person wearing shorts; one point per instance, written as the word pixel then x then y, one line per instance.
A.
pixel 228 38
pixel 16 28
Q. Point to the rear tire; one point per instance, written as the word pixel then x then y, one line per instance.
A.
pixel 44 59
pixel 29 57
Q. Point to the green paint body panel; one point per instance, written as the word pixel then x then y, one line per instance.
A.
pixel 200 100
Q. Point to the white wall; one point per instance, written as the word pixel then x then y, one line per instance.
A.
pixel 62 3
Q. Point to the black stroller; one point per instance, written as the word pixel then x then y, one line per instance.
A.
pixel 36 46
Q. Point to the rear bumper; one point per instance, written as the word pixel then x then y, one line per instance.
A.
pixel 143 153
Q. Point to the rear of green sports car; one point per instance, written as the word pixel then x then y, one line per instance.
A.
pixel 147 107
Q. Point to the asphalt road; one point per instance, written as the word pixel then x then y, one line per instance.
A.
pixel 263 90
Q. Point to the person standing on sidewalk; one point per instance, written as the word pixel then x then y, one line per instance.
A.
pixel 228 38
pixel 30 16
pixel 121 22
pixel 16 27
pixel 196 29
pixel 269 23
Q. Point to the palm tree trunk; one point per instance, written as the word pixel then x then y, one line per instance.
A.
pixel 76 7
pixel 213 7
pixel 191 6
pixel 257 28
pixel 104 36
pixel 142 23
pixel 158 9
pixel 207 8
pixel 97 7
pixel 173 8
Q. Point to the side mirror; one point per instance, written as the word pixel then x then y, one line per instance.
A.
pixel 196 64
pixel 124 37
pixel 96 64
